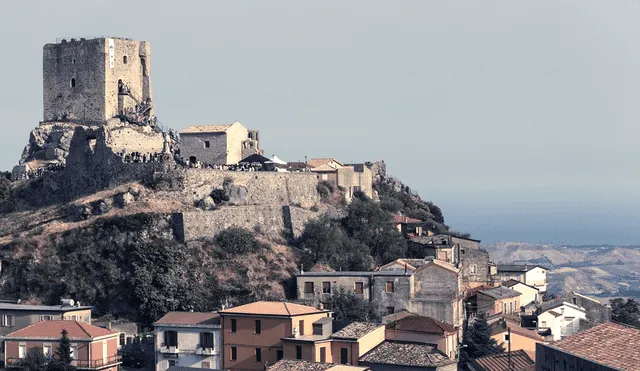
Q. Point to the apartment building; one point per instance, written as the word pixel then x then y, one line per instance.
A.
pixel 533 275
pixel 253 333
pixel 92 347
pixel 188 339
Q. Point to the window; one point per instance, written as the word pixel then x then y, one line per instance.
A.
pixel 279 354
pixel 234 353
pixel 171 338
pixel 473 269
pixel 308 287
pixel 389 286
pixel 233 325
pixel 8 320
pixel 205 364
pixel 359 288
pixel 46 318
pixel 325 177
pixel 46 350
pixel 574 301
pixel 326 287
pixel 317 329
pixel 73 83
pixel 504 307
pixel 22 351
pixel 298 352
pixel 258 326
pixel 390 310
pixel 344 356
pixel 258 355
pixel 511 307
pixel 543 324
pixel 206 340
pixel 172 363
pixel 207 144
pixel 301 327
pixel 506 337
pixel 323 354
pixel 74 351
pixel 124 59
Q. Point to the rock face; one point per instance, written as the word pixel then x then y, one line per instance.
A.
pixel 237 195
pixel 100 207
pixel 123 199
pixel 77 213
pixel 49 142
pixel 207 203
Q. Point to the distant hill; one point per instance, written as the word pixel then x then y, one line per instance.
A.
pixel 599 270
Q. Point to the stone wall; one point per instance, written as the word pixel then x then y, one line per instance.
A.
pixel 270 220
pixel 133 138
pixel 193 145
pixel 398 299
pixel 478 258
pixel 596 311
pixel 263 187
pixel 435 294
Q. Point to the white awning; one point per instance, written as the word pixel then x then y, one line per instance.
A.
pixel 276 160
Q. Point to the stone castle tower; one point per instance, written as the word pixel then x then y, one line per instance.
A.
pixel 94 80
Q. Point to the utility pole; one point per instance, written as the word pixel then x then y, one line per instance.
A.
pixel 509 349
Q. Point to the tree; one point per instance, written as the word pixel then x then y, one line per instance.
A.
pixel 346 305
pixel 478 341
pixel 63 357
pixel 625 311
pixel 34 360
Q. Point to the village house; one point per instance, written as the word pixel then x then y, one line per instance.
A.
pixel 352 178
pixel 392 355
pixel 300 365
pixel 92 347
pixel 517 360
pixel 605 347
pixel 411 327
pixel 218 144
pixel 498 300
pixel 354 340
pixel 409 227
pixel 506 331
pixel 188 339
pixel 528 294
pixel 127 331
pixel 559 319
pixel 253 333
pixel 315 346
pixel 596 311
pixel 533 275
pixel 433 289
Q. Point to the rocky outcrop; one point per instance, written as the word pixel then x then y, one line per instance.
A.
pixel 49 142
pixel 236 195
pixel 123 199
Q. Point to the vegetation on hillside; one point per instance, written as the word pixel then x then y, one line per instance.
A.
pixel 625 311
pixel 346 305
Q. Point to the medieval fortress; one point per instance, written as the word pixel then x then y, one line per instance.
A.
pixel 99 131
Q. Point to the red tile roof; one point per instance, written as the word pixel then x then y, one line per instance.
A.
pixel 499 329
pixel 417 323
pixel 273 308
pixel 520 361
pixel 398 219
pixel 53 330
pixel 189 318
pixel 611 344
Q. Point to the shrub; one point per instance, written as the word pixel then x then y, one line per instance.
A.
pixel 237 241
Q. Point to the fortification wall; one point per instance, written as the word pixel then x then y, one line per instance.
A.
pixel 133 139
pixel 263 188
pixel 270 220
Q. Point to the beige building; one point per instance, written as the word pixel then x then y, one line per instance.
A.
pixel 498 300
pixel 218 144
pixel 528 294
pixel 505 332
pixel 86 79
pixel 411 327
pixel 352 178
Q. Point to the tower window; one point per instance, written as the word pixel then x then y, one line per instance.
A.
pixel 124 59
pixel 73 83
pixel 207 144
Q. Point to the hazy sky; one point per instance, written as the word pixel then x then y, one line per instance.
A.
pixel 519 118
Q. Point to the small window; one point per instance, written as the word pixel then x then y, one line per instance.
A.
pixel 233 325
pixel 308 287
pixel 325 176
pixel 74 351
pixel 206 364
pixel 172 362
pixel 207 144
pixel 574 301
pixel 258 326
pixel 171 338
pixel 46 350
pixel 73 83
pixel 73 61
pixel 46 318
pixel 258 355
pixel 317 329
pixel 301 327
pixel 8 320
pixel 473 268
pixel 22 351
pixel 326 287
pixel 234 353
pixel 298 352
pixel 359 288
pixel 506 337
pixel 206 340
pixel 124 59
pixel 543 324
pixel 391 310
pixel 389 286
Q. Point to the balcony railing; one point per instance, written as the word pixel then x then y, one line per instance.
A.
pixel 81 364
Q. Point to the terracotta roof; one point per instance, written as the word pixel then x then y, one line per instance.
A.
pixel 499 329
pixel 41 308
pixel 273 308
pixel 500 292
pixel 189 319
pixel 356 330
pixel 611 344
pixel 396 316
pixel 417 323
pixel 510 283
pixel 207 129
pixel 412 264
pixel 403 353
pixel 300 365
pixel 53 329
pixel 405 219
pixel 520 361
pixel 440 263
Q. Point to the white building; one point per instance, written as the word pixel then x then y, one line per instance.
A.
pixel 188 339
pixel 561 318
pixel 529 294
pixel 533 275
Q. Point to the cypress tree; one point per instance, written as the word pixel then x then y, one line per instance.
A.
pixel 62 360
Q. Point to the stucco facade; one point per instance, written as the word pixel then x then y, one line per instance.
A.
pixel 529 294
pixel 189 351
pixel 81 78
pixel 436 293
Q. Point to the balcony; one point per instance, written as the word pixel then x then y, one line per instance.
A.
pixel 172 349
pixel 80 364
pixel 205 351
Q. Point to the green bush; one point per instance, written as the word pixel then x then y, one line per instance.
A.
pixel 237 241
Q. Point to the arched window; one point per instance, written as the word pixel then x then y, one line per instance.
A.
pixel 124 59
pixel 73 83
